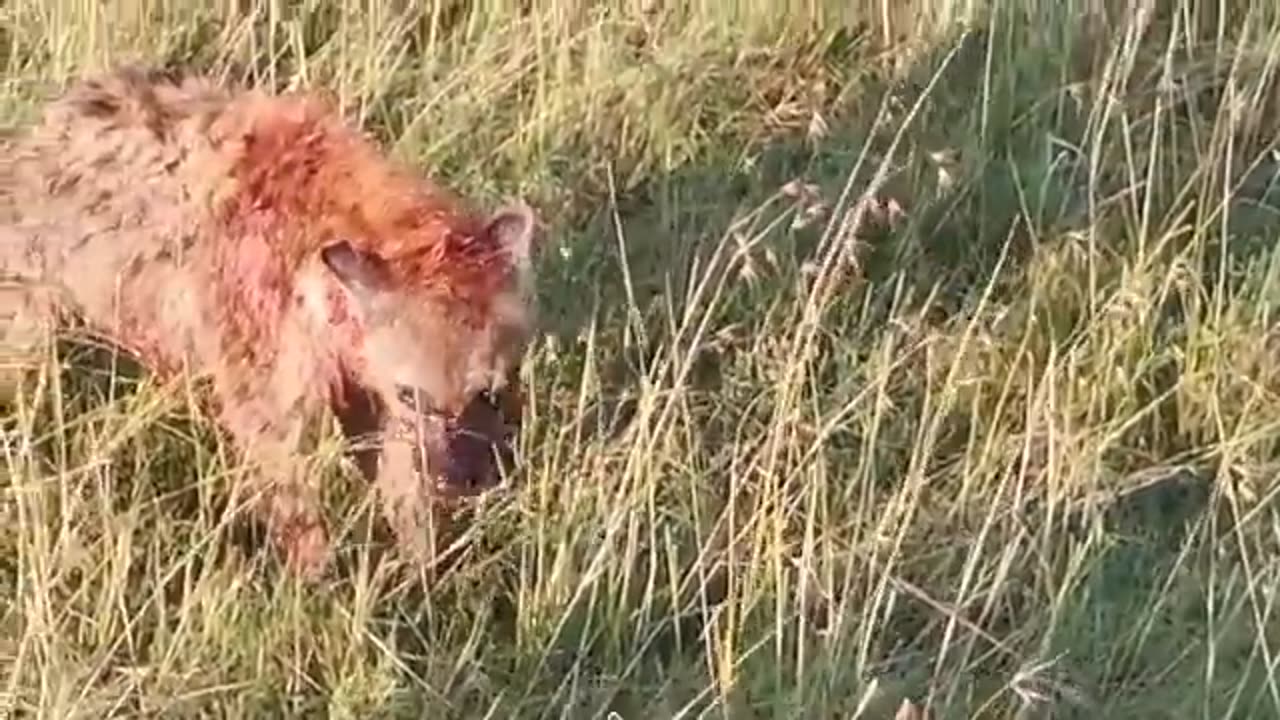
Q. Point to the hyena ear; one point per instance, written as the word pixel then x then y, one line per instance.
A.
pixel 362 273
pixel 513 227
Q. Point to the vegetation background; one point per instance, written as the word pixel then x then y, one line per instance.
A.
pixel 912 349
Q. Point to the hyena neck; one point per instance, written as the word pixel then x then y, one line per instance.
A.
pixel 296 163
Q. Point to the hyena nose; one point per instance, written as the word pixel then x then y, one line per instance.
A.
pixel 463 475
pixel 477 464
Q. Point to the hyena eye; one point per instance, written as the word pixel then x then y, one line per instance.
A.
pixel 407 395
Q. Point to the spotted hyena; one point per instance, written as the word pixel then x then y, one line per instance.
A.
pixel 258 241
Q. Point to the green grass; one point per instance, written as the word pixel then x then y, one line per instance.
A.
pixel 1010 455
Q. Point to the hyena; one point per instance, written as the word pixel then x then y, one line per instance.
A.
pixel 258 241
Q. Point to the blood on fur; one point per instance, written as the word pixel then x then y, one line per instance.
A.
pixel 262 242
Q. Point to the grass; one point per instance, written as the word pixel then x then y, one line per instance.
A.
pixel 919 350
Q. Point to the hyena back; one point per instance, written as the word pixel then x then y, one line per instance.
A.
pixel 256 240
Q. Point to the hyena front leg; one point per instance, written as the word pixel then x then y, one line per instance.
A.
pixel 417 523
pixel 386 460
pixel 270 430
pixel 286 495
pixel 26 320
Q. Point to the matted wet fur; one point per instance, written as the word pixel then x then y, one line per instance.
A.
pixel 258 241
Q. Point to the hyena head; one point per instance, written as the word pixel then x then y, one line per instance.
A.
pixel 445 369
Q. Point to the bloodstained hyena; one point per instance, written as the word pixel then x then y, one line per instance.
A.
pixel 258 241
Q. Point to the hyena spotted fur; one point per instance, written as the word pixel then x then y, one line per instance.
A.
pixel 258 241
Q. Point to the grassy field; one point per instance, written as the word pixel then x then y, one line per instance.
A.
pixel 917 350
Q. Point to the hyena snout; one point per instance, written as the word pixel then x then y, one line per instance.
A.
pixel 468 454
pixel 475 461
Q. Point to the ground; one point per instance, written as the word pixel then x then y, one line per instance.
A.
pixel 919 352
